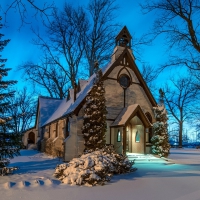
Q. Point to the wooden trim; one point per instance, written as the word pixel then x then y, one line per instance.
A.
pixel 114 79
pixel 119 73
pixel 137 112
pixel 134 67
pixel 144 140
pixel 124 140
pixel 124 97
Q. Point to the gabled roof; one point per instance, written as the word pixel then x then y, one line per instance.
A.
pixel 65 108
pixel 128 113
pixel 122 32
pixel 47 107
pixel 134 67
pixel 62 108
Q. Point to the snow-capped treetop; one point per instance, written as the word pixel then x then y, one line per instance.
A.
pixel 160 113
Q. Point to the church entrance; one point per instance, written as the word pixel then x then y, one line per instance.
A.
pixel 135 136
pixel 31 138
pixel 128 133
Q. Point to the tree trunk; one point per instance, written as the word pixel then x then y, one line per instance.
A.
pixel 180 134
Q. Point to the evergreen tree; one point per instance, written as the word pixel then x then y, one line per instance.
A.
pixel 94 125
pixel 160 142
pixel 9 141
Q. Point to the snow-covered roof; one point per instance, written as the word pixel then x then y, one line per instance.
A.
pixel 124 115
pixel 61 108
pixel 127 113
pixel 47 107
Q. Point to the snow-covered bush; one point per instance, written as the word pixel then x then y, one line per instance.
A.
pixel 160 143
pixel 94 168
pixel 7 170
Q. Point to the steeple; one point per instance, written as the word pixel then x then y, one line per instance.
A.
pixel 123 38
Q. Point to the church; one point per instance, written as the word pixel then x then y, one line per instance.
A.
pixel 129 105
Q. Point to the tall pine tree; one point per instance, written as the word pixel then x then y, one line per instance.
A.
pixel 94 124
pixel 160 140
pixel 9 141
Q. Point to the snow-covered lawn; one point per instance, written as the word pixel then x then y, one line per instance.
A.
pixel 156 179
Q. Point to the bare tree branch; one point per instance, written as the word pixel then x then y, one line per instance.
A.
pixel 178 21
pixel 22 8
pixel 23 110
pixel 99 40
pixel 179 98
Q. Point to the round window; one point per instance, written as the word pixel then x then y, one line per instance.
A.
pixel 124 81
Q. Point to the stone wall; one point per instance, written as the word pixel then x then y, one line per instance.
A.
pixel 115 94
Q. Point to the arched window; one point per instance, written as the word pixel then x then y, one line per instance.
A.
pixel 137 136
pixel 118 136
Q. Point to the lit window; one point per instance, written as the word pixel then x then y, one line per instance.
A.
pixel 118 136
pixel 137 137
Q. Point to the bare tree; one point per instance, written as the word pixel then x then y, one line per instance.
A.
pixel 178 21
pixel 65 40
pixel 47 76
pixel 179 97
pixel 63 50
pixel 23 110
pixel 21 7
pixel 149 74
pixel 72 34
pixel 99 40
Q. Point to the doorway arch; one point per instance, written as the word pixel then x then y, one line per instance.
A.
pixel 31 138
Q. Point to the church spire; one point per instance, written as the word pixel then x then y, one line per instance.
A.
pixel 123 38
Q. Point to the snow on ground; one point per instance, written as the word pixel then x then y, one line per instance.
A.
pixel 156 179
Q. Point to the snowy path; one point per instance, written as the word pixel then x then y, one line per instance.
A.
pixel 155 179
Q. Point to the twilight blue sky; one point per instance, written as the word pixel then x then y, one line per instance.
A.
pixel 20 49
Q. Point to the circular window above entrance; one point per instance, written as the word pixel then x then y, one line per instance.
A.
pixel 124 81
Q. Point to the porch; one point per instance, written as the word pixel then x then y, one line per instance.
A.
pixel 129 131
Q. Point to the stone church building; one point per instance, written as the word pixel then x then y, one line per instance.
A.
pixel 129 104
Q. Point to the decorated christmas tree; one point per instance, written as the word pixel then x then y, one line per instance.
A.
pixel 9 142
pixel 160 141
pixel 94 125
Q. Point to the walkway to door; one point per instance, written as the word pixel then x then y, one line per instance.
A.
pixel 143 157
